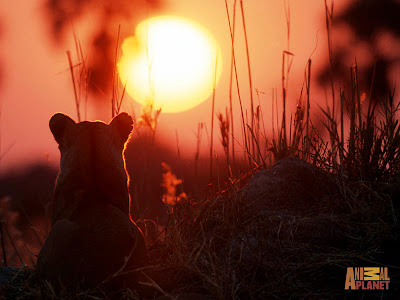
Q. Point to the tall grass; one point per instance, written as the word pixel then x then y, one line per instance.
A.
pixel 232 66
pixel 80 77
pixel 364 152
pixel 214 74
pixel 215 245
pixel 249 74
pixel 225 133
pixel 369 134
pixel 233 69
pixel 219 245
pixel 81 80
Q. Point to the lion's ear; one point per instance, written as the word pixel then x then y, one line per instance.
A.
pixel 122 126
pixel 58 125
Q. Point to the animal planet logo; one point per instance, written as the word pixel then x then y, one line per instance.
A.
pixel 367 278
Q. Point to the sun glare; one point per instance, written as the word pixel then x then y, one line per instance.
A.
pixel 171 62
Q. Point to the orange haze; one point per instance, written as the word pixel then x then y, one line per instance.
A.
pixel 36 82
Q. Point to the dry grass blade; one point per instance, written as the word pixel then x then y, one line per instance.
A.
pixel 233 64
pixel 249 72
pixel 115 105
pixel 2 244
pixel 258 147
pixel 11 240
pixel 215 66
pixel 224 129
pixel 77 102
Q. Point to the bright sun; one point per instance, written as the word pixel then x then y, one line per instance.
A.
pixel 170 62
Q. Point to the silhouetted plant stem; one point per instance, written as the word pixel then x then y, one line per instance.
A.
pixel 212 116
pixel 328 22
pixel 114 101
pixel 3 248
pixel 71 67
pixel 308 83
pixel 12 241
pixel 232 33
pixel 197 154
pixel 249 74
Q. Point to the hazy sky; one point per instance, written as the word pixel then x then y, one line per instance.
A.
pixel 36 82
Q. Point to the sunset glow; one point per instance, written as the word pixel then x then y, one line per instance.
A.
pixel 170 62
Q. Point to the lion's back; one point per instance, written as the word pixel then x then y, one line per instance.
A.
pixel 91 248
pixel 92 232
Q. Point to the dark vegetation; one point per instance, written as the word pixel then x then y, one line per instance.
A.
pixel 212 242
pixel 369 21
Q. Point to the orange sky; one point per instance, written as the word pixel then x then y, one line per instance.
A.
pixel 36 84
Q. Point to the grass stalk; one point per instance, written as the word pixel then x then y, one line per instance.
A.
pixel 232 34
pixel 328 24
pixel 258 147
pixel 177 145
pixel 115 104
pixel 197 154
pixel 233 62
pixel 212 116
pixel 12 241
pixel 77 102
pixel 225 133
pixel 249 73
pixel 3 248
pixel 308 83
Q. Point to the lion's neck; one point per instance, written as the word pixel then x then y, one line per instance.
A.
pixel 75 192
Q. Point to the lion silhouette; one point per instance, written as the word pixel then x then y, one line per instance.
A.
pixel 92 235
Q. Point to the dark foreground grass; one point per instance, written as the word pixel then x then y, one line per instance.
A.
pixel 218 247
pixel 221 248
